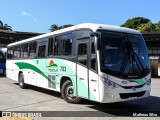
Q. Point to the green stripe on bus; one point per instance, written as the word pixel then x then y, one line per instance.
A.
pixel 23 65
pixel 139 81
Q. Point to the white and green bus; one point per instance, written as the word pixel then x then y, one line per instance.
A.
pixel 102 63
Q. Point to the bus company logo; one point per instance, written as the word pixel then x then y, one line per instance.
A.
pixel 52 64
pixel 134 88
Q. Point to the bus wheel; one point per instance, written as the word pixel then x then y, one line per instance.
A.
pixel 21 81
pixel 67 93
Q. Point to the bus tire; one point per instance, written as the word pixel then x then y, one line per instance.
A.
pixel 21 81
pixel 67 93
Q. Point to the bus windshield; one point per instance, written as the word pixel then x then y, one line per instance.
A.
pixel 124 54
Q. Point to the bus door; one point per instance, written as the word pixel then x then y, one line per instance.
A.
pixel 82 68
pixel 93 73
pixel 42 48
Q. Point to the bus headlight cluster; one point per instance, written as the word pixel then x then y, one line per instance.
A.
pixel 148 81
pixel 109 83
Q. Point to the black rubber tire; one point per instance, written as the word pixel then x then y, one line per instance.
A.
pixel 21 81
pixel 64 91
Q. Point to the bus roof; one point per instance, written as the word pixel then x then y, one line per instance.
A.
pixel 92 26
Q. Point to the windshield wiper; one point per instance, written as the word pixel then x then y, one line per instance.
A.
pixel 139 61
pixel 126 58
pixel 124 63
pixel 130 56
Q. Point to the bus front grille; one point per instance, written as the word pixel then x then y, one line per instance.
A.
pixel 130 95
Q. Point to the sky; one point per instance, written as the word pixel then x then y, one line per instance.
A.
pixel 39 15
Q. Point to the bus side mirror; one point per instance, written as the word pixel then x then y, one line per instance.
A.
pixel 98 35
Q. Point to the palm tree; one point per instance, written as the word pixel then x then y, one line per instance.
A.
pixel 68 25
pixel 55 27
pixel 5 26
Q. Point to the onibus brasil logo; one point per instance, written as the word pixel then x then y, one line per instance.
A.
pixel 52 64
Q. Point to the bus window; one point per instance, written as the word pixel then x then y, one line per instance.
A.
pixel 82 53
pixel 41 51
pixel 32 50
pixel 25 54
pixel 16 52
pixel 24 50
pixel 93 56
pixel 63 45
pixel 50 47
pixel 10 53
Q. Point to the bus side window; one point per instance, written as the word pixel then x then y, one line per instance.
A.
pixel 50 47
pixel 25 54
pixel 67 45
pixel 10 53
pixel 32 50
pixel 41 51
pixel 63 45
pixel 93 56
pixel 56 47
pixel 16 52
pixel 82 53
pixel 22 50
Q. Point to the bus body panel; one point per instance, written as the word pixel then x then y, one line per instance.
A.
pixel 94 86
pixel 82 81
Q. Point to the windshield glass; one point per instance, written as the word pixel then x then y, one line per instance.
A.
pixel 123 54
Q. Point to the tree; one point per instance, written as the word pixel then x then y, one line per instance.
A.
pixel 5 26
pixel 149 27
pixel 157 25
pixel 55 27
pixel 135 22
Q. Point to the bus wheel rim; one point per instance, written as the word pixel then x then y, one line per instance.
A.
pixel 69 93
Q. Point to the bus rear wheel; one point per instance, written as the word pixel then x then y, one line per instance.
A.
pixel 67 93
pixel 21 81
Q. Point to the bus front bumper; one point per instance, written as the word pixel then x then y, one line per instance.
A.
pixel 120 94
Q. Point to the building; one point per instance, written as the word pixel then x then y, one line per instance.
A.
pixel 7 37
pixel 153 45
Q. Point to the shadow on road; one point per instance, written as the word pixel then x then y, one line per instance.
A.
pixel 145 105
pixel 2 76
pixel 42 90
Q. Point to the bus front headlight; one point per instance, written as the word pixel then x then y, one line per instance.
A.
pixel 109 83
pixel 148 81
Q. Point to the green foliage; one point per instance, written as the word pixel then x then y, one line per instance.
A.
pixel 157 26
pixel 135 23
pixel 55 27
pixel 148 27
pixel 5 26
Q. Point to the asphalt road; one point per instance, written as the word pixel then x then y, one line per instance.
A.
pixel 13 98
